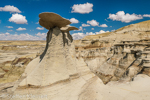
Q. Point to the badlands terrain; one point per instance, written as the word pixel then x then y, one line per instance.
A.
pixel 108 66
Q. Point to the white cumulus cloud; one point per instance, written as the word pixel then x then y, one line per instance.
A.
pixel 7 33
pixel 92 28
pixel 18 19
pixel 113 30
pixel 41 35
pixel 73 20
pixel 85 25
pixel 146 15
pixel 10 8
pixel 80 35
pixel 40 28
pixel 101 31
pixel 89 33
pixel 80 29
pixel 9 26
pixel 82 8
pixel 103 25
pixel 121 16
pixel 23 36
pixel 93 23
pixel 21 29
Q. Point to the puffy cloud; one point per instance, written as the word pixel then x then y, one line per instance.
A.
pixel 85 25
pixel 26 36
pixel 40 28
pixel 101 31
pixel 18 19
pixel 82 8
pixel 80 29
pixel 10 8
pixel 9 26
pixel 89 33
pixel 41 35
pixel 7 33
pixel 73 20
pixel 93 22
pixel 9 30
pixel 80 35
pixel 21 29
pixel 121 16
pixel 92 28
pixel 103 25
pixel 146 15
pixel 113 30
pixel 4 34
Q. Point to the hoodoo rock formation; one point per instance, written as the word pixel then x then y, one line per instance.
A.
pixel 56 63
pixel 56 71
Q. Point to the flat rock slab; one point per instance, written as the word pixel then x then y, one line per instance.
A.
pixel 50 20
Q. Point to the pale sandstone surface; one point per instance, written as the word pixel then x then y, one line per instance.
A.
pixel 55 56
pixel 91 89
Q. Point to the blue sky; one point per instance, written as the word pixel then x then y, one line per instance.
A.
pixel 18 18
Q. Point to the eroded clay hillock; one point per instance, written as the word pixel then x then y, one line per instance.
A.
pixel 119 55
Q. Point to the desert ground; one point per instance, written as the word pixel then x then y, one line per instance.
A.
pixel 137 89
pixel 9 50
